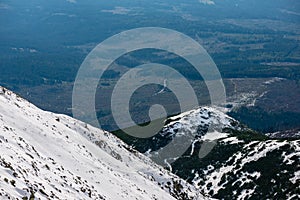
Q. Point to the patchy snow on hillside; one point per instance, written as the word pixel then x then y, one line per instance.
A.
pixel 252 152
pixel 239 162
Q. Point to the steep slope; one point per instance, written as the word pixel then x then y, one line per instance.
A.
pixel 46 155
pixel 227 160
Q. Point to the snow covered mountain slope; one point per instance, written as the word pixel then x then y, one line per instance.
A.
pixel 227 160
pixel 46 155
pixel 242 164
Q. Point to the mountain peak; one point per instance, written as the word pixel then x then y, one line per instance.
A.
pixel 47 155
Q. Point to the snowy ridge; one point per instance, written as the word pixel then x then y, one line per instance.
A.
pixel 46 155
pixel 206 122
